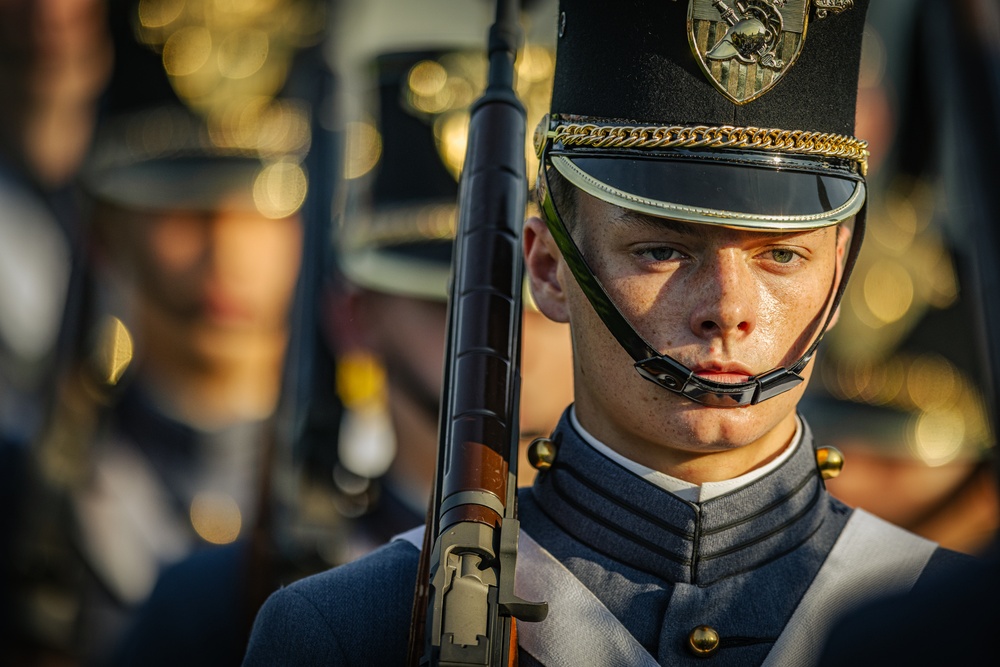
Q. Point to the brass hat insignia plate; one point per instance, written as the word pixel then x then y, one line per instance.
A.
pixel 745 47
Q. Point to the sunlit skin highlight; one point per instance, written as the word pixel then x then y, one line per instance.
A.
pixel 727 303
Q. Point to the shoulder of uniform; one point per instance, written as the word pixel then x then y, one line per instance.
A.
pixel 945 563
pixel 359 609
pixel 392 563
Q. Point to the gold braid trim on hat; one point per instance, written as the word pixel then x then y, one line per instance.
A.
pixel 801 142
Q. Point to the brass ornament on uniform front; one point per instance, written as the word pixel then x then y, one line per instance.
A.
pixel 745 47
pixel 826 7
pixel 703 641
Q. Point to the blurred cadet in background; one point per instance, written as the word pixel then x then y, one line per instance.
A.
pixel 956 139
pixel 396 253
pixel 387 321
pixel 899 387
pixel 914 434
pixel 182 386
pixel 55 61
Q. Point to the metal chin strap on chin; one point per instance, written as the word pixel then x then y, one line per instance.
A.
pixel 664 370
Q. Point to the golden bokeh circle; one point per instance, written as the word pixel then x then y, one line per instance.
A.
pixel 280 189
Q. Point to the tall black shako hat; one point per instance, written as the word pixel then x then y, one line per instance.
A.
pixel 737 113
pixel 196 122
pixel 400 225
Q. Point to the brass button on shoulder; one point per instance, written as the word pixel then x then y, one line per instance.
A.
pixel 703 641
pixel 541 453
pixel 830 461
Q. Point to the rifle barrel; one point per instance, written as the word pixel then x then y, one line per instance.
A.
pixel 467 564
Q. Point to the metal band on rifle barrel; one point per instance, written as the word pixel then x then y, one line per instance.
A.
pixel 484 498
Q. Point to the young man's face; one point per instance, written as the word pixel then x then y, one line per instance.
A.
pixel 215 280
pixel 727 303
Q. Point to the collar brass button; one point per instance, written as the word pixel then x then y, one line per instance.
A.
pixel 541 453
pixel 830 461
pixel 703 641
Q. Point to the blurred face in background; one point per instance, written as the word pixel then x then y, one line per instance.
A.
pixel 214 283
pixel 55 59
pixel 56 42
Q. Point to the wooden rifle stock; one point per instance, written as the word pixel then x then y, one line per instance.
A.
pixel 464 599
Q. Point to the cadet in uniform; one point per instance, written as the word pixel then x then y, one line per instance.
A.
pixel 704 202
pixel 199 227
pixel 952 620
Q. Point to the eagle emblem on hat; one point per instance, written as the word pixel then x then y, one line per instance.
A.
pixel 745 47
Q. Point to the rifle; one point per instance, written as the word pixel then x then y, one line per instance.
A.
pixel 464 603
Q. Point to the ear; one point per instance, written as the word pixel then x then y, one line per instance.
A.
pixel 843 241
pixel 541 263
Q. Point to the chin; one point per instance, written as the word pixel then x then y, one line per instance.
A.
pixel 699 428
pixel 719 429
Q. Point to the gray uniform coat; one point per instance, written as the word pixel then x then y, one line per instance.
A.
pixel 740 563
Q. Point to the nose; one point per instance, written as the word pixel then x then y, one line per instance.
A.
pixel 724 305
pixel 231 252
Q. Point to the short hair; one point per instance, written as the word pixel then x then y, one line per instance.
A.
pixel 563 196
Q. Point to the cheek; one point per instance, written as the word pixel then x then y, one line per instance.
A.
pixel 788 309
pixel 651 302
pixel 174 246
pixel 659 307
pixel 258 261
pixel 278 249
pixel 600 364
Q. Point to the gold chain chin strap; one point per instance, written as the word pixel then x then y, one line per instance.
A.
pixel 703 136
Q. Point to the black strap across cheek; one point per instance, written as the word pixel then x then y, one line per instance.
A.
pixel 663 370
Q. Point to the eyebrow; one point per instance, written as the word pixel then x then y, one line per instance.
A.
pixel 690 229
pixel 634 219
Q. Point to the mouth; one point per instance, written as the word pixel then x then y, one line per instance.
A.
pixel 225 309
pixel 723 373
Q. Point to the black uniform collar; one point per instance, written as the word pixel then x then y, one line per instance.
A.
pixel 626 518
pixel 139 420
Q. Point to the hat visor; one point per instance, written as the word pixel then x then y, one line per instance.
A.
pixel 419 270
pixel 760 192
pixel 192 183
